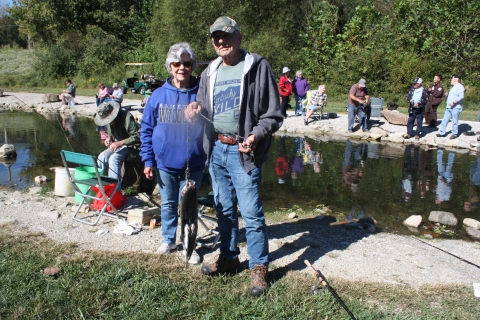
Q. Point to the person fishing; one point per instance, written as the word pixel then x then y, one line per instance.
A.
pixel 122 140
pixel 170 144
pixel 239 100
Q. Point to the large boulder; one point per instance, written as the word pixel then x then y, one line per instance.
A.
pixel 471 223
pixel 442 217
pixel 50 97
pixel 473 233
pixel 413 221
pixel 395 117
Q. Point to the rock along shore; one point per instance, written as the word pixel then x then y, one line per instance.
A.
pixel 326 129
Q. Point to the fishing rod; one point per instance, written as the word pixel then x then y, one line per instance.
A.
pixel 460 258
pixel 323 281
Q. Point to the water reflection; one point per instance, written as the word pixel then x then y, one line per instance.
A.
pixel 355 179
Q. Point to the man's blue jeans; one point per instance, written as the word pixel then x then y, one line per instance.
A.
pixel 351 117
pixel 111 162
pixel 417 114
pixel 299 104
pixel 171 185
pixel 232 186
pixel 450 113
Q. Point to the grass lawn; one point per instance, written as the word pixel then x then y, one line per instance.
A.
pixel 94 284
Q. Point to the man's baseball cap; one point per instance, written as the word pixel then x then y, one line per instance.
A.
pixel 417 80
pixel 362 82
pixel 225 24
pixel 455 76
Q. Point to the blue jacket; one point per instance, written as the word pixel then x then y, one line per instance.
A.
pixel 165 131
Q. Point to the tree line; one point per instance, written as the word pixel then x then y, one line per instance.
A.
pixel 336 42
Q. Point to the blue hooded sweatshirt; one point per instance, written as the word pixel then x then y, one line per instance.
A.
pixel 165 132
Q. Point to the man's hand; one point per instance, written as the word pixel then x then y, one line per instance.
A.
pixel 248 145
pixel 107 141
pixel 148 171
pixel 193 109
pixel 115 145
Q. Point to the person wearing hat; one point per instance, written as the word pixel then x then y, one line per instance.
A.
pixel 170 144
pixel 117 94
pixel 358 98
pixel 148 93
pixel 123 138
pixel 454 107
pixel 417 97
pixel 285 88
pixel 238 96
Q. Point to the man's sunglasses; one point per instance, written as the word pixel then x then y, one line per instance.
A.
pixel 186 64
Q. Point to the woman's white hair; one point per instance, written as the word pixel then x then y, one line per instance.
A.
pixel 321 86
pixel 298 72
pixel 175 54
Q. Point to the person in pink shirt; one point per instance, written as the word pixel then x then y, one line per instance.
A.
pixel 102 94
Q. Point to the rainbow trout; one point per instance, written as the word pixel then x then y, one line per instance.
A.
pixel 189 218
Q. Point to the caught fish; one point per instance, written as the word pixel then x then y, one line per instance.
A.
pixel 189 218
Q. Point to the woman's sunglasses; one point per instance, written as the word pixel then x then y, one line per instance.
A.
pixel 186 64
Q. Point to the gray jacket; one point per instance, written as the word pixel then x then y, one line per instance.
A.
pixel 260 111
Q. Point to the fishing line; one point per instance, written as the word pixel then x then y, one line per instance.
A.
pixel 460 258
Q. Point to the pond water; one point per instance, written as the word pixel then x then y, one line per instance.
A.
pixel 355 179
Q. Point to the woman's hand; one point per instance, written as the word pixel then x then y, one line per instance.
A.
pixel 148 171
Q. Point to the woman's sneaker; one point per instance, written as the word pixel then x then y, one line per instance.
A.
pixel 165 248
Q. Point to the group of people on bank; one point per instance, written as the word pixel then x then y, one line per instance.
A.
pixel 425 101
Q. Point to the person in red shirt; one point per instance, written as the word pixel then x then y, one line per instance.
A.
pixel 285 88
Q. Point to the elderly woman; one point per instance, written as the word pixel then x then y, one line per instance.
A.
pixel 318 98
pixel 102 94
pixel 170 144
pixel 300 88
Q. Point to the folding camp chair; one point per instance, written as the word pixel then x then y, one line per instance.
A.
pixel 207 201
pixel 98 181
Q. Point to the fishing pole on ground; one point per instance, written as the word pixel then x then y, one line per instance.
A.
pixel 323 281
pixel 460 258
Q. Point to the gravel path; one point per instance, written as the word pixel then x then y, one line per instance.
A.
pixel 337 251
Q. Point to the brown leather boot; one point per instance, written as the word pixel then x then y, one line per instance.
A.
pixel 259 284
pixel 220 265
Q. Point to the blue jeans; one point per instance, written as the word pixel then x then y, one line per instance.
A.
pixel 299 104
pixel 351 117
pixel 99 101
pixel 417 114
pixel 451 113
pixel 171 185
pixel 111 162
pixel 232 186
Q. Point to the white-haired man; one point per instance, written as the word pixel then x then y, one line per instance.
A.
pixel 239 96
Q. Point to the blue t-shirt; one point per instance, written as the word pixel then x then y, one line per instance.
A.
pixel 226 98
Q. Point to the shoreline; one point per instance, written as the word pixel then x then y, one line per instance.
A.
pixel 328 129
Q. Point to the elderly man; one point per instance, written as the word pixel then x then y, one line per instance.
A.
pixel 454 107
pixel 239 98
pixel 123 139
pixel 358 98
pixel 417 97
pixel 68 93
pixel 117 94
